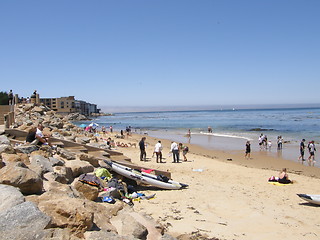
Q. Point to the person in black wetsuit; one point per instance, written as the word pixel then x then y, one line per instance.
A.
pixel 142 146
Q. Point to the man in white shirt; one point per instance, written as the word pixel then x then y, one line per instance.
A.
pixel 43 139
pixel 157 150
pixel 175 152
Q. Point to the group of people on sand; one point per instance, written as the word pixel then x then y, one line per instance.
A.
pixel 311 148
pixel 175 150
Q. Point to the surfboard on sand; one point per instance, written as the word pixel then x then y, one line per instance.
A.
pixel 145 178
pixel 315 199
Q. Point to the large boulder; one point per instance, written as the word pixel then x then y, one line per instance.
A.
pixel 18 157
pixel 103 213
pixel 100 235
pixel 39 161
pixel 53 176
pixel 66 154
pixel 65 172
pixel 4 140
pixel 18 175
pixel 23 221
pixel 26 148
pixel 128 225
pixel 4 148
pixel 56 190
pixel 56 162
pixel 89 158
pixel 79 167
pixel 9 197
pixel 68 213
pixel 88 191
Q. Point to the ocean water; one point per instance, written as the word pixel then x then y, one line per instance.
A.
pixel 231 128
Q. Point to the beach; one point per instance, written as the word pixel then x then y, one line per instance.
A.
pixel 229 197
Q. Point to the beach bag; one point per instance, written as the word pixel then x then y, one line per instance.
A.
pixel 162 178
pixel 90 179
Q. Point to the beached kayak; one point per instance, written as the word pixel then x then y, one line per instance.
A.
pixel 315 199
pixel 145 178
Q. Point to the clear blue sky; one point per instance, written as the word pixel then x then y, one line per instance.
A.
pixel 161 53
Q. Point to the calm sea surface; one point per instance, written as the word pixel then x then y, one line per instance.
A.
pixel 231 128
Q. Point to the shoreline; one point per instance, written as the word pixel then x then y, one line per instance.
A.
pixel 270 160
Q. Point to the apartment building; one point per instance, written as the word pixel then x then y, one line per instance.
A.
pixel 65 105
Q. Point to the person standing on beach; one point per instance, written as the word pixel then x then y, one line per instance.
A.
pixel 10 97
pixel 209 129
pixel 111 129
pixel 279 141
pixel 158 151
pixel 312 149
pixel 175 152
pixel 248 150
pixel 185 150
pixel 142 146
pixel 302 147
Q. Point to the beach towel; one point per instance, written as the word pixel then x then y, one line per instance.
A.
pixel 147 170
pixel 103 173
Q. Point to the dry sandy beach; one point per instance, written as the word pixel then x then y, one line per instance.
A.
pixel 231 199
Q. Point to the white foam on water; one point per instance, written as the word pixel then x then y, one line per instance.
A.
pixel 224 135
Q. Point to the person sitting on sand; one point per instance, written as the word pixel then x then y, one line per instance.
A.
pixel 283 177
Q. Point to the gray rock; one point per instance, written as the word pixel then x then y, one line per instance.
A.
pixel 9 197
pixel 167 237
pixel 42 162
pixel 24 222
pixel 66 154
pixel 26 148
pixel 4 140
pixel 4 148
pixel 56 162
pixel 103 235
pixel 65 172
pixel 53 176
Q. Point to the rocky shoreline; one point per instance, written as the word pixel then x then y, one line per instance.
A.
pixel 41 197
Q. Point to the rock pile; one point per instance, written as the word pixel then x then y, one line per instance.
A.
pixel 41 197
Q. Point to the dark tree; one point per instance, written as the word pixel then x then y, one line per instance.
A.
pixel 4 100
